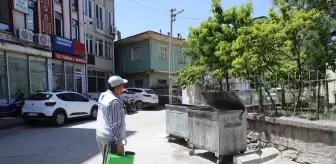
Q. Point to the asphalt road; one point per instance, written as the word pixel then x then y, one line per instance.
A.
pixel 75 143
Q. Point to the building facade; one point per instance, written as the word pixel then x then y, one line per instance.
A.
pixel 25 49
pixel 143 59
pixel 100 32
pixel 42 47
pixel 68 44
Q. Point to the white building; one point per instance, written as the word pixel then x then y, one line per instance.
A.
pixel 100 35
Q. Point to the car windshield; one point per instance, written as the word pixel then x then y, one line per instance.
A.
pixel 39 96
pixel 149 91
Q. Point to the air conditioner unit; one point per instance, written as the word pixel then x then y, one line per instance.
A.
pixel 113 30
pixel 43 39
pixel 26 35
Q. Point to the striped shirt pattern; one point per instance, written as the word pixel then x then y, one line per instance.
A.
pixel 111 118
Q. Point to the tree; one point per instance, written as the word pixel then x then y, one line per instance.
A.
pixel 210 45
pixel 257 51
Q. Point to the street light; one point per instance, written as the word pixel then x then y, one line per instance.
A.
pixel 172 19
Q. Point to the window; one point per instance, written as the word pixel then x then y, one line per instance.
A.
pixel 65 96
pixel 18 77
pixel 39 96
pixel 74 5
pixel 78 97
pixel 150 91
pixel 39 74
pixel 136 53
pixel 4 16
pixel 74 29
pixel 99 17
pixel 97 81
pixel 89 45
pixel 99 47
pixel 59 1
pixel 88 8
pixel 138 83
pixel 31 17
pixel 162 81
pixel 109 19
pixel 163 53
pixel 108 50
pixel 181 58
pixel 58 24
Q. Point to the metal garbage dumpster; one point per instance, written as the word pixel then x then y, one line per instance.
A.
pixel 177 121
pixel 221 127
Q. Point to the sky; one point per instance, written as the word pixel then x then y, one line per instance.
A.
pixel 136 16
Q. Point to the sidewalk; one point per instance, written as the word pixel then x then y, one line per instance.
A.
pixel 10 122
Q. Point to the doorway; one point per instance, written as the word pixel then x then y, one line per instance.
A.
pixel 79 84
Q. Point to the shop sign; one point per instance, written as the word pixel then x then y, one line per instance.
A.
pixel 46 16
pixel 79 48
pixel 73 47
pixel 65 57
pixel 62 44
pixel 21 5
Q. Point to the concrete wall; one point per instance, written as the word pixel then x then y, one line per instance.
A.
pixel 154 77
pixel 192 95
pixel 303 141
pixel 331 86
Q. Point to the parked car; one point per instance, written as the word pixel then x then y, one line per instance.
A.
pixel 142 97
pixel 57 107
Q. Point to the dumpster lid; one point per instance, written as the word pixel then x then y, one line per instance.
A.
pixel 223 100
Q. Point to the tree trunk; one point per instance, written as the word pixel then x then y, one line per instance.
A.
pixel 261 109
pixel 318 98
pixel 272 101
pixel 227 83
pixel 300 85
pixel 220 85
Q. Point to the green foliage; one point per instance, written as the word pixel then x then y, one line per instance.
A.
pixel 292 41
pixel 210 46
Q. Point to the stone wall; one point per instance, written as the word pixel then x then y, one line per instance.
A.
pixel 299 140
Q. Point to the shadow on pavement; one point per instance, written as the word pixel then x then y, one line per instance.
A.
pixel 65 145
pixel 203 154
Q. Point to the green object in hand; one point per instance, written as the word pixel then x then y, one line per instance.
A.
pixel 127 158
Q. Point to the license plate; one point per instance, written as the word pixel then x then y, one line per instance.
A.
pixel 32 114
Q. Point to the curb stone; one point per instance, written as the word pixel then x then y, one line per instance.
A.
pixel 257 157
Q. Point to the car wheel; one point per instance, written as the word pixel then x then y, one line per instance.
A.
pixel 139 104
pixel 94 112
pixel 29 122
pixel 58 118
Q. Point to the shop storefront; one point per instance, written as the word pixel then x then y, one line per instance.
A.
pixel 22 72
pixel 68 65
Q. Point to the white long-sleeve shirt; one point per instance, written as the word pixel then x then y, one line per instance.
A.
pixel 110 118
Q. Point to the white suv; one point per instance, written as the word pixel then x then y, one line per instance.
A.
pixel 57 107
pixel 142 97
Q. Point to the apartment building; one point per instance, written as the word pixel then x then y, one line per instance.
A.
pixel 41 47
pixel 68 44
pixel 25 48
pixel 100 32
pixel 143 59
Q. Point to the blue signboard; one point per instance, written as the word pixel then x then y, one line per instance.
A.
pixel 62 44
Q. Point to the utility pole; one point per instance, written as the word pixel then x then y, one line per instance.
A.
pixel 172 19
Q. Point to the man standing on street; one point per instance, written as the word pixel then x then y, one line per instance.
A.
pixel 110 130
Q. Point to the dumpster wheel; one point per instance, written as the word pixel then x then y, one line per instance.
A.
pixel 219 161
pixel 191 152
